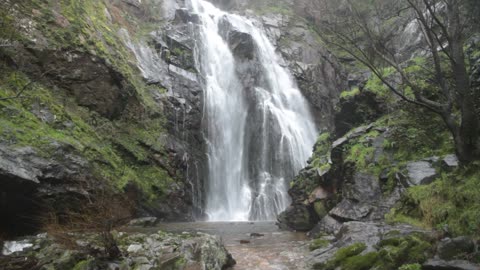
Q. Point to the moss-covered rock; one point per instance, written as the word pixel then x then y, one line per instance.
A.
pixel 318 243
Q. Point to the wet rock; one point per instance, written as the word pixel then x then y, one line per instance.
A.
pixel 420 173
pixel 450 162
pixel 327 225
pixel 245 241
pixel 256 235
pixel 10 247
pixel 363 108
pixel 437 264
pixel 134 248
pixel 348 210
pixel 134 3
pixel 241 43
pixel 180 51
pixel 449 249
pixel 297 217
pixel 363 188
pixel 357 132
pixel 43 114
pixel 92 82
pixel 182 15
pixel 318 193
pixel 144 222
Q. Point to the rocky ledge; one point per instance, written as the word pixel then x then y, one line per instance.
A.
pixel 369 245
pixel 159 250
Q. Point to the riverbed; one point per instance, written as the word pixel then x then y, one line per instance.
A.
pixel 254 245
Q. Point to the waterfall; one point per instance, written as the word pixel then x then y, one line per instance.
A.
pixel 259 134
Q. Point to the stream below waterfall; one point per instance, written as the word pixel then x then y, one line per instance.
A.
pixel 271 249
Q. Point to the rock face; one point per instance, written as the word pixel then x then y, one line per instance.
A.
pixel 360 109
pixel 347 195
pixel 168 61
pixel 318 73
pixel 106 113
pixel 27 180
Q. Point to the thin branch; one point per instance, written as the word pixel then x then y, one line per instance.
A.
pixel 25 87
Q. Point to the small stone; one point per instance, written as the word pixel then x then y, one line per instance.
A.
pixel 134 248
pixel 450 162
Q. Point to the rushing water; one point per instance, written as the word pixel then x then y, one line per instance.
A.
pixel 257 141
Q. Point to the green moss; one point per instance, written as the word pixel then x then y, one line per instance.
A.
pixel 414 266
pixel 341 256
pixel 318 243
pixel 347 94
pixel 180 263
pixel 376 86
pixel 20 127
pixel 360 151
pixel 349 251
pixel 397 251
pixel 82 265
pixel 449 201
pixel 360 262
pixel 320 209
pixel 120 151
pixel 321 154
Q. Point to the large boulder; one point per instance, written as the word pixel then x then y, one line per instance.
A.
pixel 449 249
pixel 420 173
pixel 297 217
pixel 361 238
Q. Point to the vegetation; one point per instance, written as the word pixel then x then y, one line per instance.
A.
pixel 39 110
pixel 448 204
pixel 406 252
pixel 444 87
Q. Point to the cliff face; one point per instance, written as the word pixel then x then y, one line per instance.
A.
pixel 81 112
pixel 106 94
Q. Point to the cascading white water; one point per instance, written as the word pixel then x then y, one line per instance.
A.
pixel 257 139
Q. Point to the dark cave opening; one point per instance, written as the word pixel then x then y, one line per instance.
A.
pixel 20 208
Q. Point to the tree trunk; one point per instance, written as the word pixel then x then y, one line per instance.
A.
pixel 468 134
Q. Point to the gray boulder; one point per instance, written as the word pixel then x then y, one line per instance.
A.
pixel 450 162
pixel 350 211
pixel 449 249
pixel 420 173
pixel 297 217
